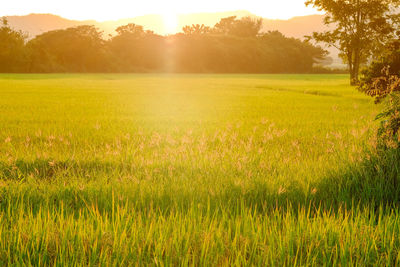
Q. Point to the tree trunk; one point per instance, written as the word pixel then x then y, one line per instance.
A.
pixel 353 78
pixel 350 62
pixel 356 57
pixel 354 67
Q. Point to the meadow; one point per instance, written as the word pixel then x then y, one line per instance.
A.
pixel 203 170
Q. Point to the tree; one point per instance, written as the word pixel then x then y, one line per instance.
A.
pixel 77 49
pixel 136 49
pixel 13 54
pixel 232 46
pixel 360 27
pixel 133 30
pixel 290 54
pixel 381 81
pixel 387 65
pixel 196 29
pixel 244 27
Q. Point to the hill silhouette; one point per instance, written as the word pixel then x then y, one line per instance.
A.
pixel 35 24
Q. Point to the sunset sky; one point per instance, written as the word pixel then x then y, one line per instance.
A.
pixel 102 10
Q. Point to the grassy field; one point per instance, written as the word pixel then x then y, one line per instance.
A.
pixel 205 170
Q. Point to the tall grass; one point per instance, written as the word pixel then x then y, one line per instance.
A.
pixel 193 170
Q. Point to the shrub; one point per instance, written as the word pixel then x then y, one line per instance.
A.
pixel 386 89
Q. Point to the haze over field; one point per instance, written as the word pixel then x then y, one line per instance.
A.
pixel 297 27
pixel 35 24
pixel 102 10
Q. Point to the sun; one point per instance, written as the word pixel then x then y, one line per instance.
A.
pixel 171 22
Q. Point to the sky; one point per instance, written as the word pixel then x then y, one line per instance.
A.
pixel 102 10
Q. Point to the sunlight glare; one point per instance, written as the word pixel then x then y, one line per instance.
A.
pixel 170 22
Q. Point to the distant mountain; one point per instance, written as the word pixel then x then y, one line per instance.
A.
pixel 35 24
pixel 298 27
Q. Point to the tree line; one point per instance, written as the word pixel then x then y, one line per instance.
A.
pixel 232 46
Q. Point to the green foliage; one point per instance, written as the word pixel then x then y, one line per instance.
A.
pixel 136 50
pixel 361 28
pixel 267 53
pixel 13 55
pixel 387 64
pixel 244 27
pixel 231 46
pixel 196 29
pixel 385 88
pixel 78 49
pixel 381 81
pixel 203 170
pixel 389 132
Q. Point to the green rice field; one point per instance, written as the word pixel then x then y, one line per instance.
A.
pixel 193 170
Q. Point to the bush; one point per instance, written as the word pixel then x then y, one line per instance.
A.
pixel 381 80
pixel 386 89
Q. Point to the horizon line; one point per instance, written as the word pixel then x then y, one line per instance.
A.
pixel 159 14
